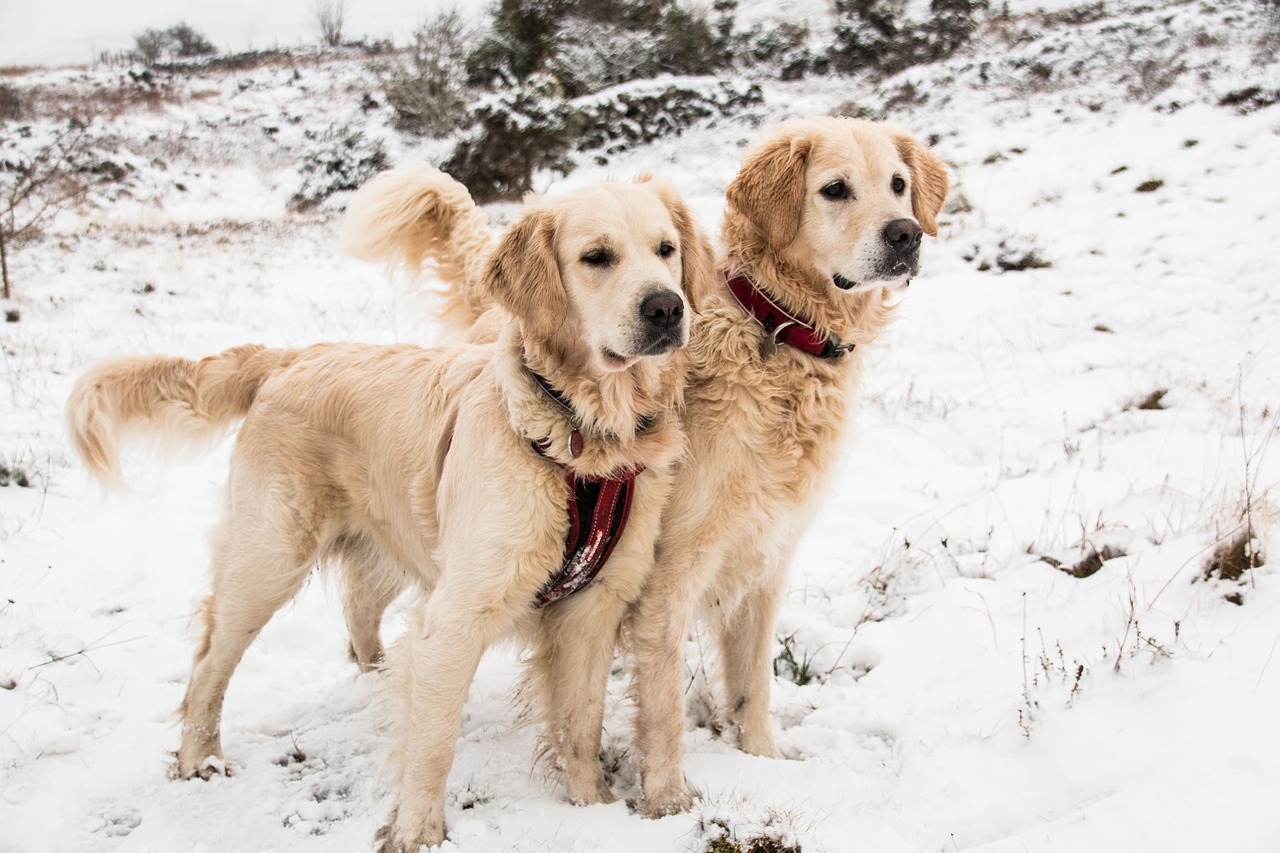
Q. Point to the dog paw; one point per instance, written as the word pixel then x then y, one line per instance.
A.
pixel 372 663
pixel 205 768
pixel 392 843
pixel 759 743
pixel 597 793
pixel 665 803
pixel 394 838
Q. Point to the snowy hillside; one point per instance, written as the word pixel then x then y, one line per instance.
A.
pixel 1039 610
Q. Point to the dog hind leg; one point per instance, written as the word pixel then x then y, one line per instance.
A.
pixel 369 584
pixel 254 574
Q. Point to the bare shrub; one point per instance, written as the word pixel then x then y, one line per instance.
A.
pixel 37 184
pixel 429 92
pixel 181 41
pixel 330 18
pixel 149 46
pixel 187 43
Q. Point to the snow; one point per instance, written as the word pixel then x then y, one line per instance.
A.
pixel 77 31
pixel 965 695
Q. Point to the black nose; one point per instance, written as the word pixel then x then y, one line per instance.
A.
pixel 662 310
pixel 903 235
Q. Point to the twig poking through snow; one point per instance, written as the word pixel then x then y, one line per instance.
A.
pixel 92 647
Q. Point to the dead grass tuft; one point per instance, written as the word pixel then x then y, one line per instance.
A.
pixel 1088 565
pixel 729 842
pixel 1233 557
pixel 1153 402
pixel 762 844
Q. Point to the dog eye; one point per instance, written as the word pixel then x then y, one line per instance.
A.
pixel 899 185
pixel 836 191
pixel 666 250
pixel 596 258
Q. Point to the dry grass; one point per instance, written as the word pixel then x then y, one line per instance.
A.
pixel 86 104
pixel 21 70
pixel 1233 557
pixel 1088 565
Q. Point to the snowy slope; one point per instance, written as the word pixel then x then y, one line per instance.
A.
pixel 965 694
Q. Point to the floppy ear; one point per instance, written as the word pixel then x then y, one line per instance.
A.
pixel 697 258
pixel 523 277
pixel 929 182
pixel 769 188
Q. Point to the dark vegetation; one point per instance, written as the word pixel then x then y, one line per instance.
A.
pixel 1235 556
pixel 541 85
pixel 544 78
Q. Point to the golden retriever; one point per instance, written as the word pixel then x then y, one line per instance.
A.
pixel 823 222
pixel 449 468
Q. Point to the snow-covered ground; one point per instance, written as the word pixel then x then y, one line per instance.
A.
pixel 75 32
pixel 961 691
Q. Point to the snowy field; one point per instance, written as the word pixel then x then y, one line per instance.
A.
pixel 1002 632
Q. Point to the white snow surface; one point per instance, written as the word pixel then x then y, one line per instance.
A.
pixel 966 695
pixel 77 31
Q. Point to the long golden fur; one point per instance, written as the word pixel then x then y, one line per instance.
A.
pixel 824 216
pixel 409 466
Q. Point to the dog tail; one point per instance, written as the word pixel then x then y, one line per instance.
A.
pixel 416 214
pixel 179 401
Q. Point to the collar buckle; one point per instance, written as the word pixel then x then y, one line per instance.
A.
pixel 792 331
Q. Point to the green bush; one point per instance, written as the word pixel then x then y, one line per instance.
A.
pixel 613 121
pixel 340 158
pixel 514 133
pixel 875 35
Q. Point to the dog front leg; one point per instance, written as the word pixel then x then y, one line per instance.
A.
pixel 745 637
pixel 575 653
pixel 432 666
pixel 660 621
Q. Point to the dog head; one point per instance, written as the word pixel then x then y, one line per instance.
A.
pixel 844 198
pixel 612 269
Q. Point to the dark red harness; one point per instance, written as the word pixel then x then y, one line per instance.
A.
pixel 598 508
pixel 780 326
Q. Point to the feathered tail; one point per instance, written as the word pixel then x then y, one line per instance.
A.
pixel 177 400
pixel 414 214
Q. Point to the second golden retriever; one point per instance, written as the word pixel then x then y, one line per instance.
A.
pixel 823 222
pixel 450 469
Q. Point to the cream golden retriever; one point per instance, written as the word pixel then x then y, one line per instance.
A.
pixel 823 222
pixel 449 468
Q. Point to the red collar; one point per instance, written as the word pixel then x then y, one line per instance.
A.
pixel 780 325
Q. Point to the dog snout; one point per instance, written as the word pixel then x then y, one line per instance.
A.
pixel 662 310
pixel 903 235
